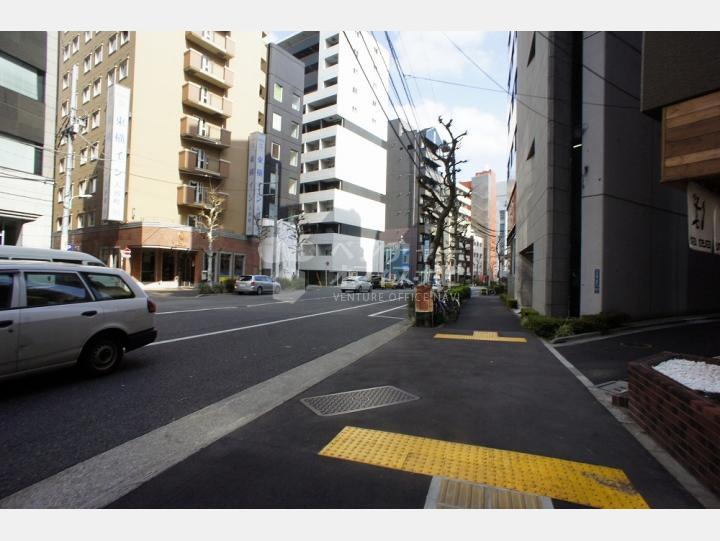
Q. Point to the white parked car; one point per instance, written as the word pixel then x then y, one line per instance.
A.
pixel 356 284
pixel 53 314
pixel 256 284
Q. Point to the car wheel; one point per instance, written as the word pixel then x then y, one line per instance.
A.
pixel 101 355
pixel 259 290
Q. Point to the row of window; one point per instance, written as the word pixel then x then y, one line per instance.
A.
pixel 82 220
pixel 277 122
pixel 275 154
pixel 278 92
pixel 91 153
pixel 116 73
pixel 115 41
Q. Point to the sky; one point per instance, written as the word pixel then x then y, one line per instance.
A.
pixel 483 113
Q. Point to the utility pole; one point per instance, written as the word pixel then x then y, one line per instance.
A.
pixel 70 132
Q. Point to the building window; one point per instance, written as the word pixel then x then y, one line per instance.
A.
pixel 97 87
pixel 60 195
pixel 123 69
pixel 61 165
pixel 293 186
pixel 83 156
pixel 278 92
pixel 204 95
pixel 239 264
pixel 66 52
pixel 531 55
pixel 276 122
pixel 261 118
pixel 94 151
pixel 294 155
pixel 112 44
pixel 98 55
pixel 295 131
pixel 64 108
pixel 192 220
pixel 65 81
pixel 111 77
pixel 95 119
pixel 89 219
pixel 58 224
pixel 275 151
pixel 209 35
pixel 296 102
pixel 124 37
pixel 88 36
pixel 92 185
pixel 86 94
pixel 87 63
pixel 262 91
pixel 82 187
pixel 354 90
pixel 263 65
pixel 80 221
pixel 21 78
pixel 76 44
pixel 202 160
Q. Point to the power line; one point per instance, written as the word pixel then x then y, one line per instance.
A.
pixel 501 87
pixel 633 107
pixel 403 83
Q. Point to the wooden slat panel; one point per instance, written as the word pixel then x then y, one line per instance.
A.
pixel 711 112
pixel 696 129
pixel 693 144
pixel 695 157
pixel 690 106
pixel 692 170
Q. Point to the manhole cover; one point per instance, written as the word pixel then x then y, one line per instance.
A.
pixel 635 345
pixel 361 399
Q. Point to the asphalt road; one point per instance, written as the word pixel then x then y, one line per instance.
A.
pixel 52 421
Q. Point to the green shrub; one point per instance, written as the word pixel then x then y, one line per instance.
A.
pixel 218 288
pixel 228 284
pixel 291 283
pixel 511 303
pixel 566 329
pixel 461 292
pixel 504 298
pixel 544 326
pixel 204 288
pixel 527 311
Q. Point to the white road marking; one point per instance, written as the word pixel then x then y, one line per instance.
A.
pixel 268 304
pixel 385 311
pixel 198 310
pixel 102 479
pixel 276 322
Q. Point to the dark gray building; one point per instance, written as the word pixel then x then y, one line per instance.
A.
pixel 596 230
pixel 28 82
pixel 283 144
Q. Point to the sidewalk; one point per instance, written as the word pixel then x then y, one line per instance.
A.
pixel 503 396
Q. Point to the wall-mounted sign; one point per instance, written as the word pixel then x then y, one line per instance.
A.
pixel 702 209
pixel 597 280
pixel 116 142
pixel 256 177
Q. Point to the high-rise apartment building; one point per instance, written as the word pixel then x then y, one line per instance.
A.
pixel 166 119
pixel 484 218
pixel 342 184
pixel 28 79
pixel 283 146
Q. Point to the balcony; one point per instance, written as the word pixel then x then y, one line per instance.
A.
pixel 208 102
pixel 191 196
pixel 209 71
pixel 214 42
pixel 207 133
pixel 210 168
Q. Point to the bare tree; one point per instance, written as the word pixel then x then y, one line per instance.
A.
pixel 442 191
pixel 210 219
pixel 296 236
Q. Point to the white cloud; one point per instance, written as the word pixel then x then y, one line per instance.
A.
pixel 430 54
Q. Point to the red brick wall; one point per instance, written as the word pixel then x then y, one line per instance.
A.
pixel 686 423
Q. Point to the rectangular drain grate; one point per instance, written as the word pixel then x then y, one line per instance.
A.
pixel 359 400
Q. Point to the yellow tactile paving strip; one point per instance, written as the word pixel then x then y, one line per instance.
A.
pixel 586 484
pixel 483 336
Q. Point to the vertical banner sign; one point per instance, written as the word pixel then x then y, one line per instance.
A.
pixel 116 143
pixel 701 216
pixel 256 177
pixel 597 281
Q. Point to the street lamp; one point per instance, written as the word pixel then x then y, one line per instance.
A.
pixel 67 205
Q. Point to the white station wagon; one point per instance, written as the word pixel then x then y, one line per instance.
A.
pixel 52 314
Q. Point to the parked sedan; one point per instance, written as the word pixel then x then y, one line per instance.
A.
pixel 356 284
pixel 404 283
pixel 257 284
pixel 52 314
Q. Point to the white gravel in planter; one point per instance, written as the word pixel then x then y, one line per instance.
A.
pixel 696 375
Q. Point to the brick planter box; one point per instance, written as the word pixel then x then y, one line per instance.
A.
pixel 685 422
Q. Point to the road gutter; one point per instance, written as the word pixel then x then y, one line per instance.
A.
pixel 101 480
